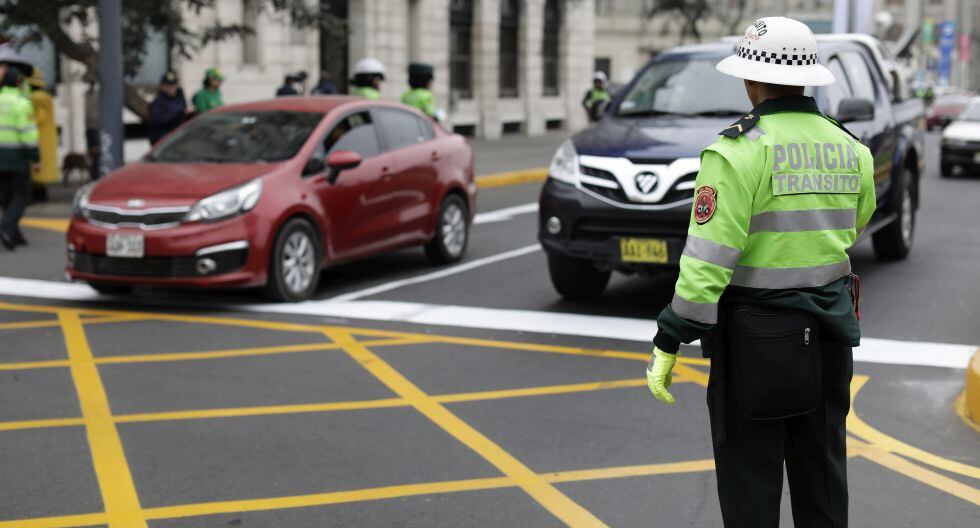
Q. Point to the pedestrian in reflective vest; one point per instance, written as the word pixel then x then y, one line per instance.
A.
pixel 765 284
pixel 420 95
pixel 597 94
pixel 369 74
pixel 18 149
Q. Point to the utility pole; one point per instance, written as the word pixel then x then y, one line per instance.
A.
pixel 110 86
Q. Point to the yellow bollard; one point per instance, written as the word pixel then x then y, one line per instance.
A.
pixel 46 171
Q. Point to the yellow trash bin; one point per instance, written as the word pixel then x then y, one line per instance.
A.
pixel 46 171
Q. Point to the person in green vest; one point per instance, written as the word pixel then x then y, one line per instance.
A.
pixel 18 149
pixel 766 286
pixel 420 95
pixel 596 95
pixel 369 74
pixel 209 96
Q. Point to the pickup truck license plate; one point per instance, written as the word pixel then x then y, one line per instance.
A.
pixel 127 245
pixel 648 250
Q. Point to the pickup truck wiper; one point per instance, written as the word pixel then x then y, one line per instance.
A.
pixel 720 113
pixel 646 113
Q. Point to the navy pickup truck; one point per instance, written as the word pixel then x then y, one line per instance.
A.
pixel 619 193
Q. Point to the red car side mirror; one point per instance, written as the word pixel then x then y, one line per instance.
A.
pixel 341 160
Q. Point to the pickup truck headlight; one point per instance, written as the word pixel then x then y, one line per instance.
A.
pixel 226 203
pixel 564 165
pixel 79 204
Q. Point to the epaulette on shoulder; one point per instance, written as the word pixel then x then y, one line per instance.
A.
pixel 741 126
pixel 842 127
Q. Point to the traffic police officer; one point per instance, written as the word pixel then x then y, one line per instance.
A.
pixel 18 148
pixel 598 93
pixel 765 284
pixel 420 95
pixel 368 75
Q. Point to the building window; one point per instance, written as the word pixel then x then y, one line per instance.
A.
pixel 250 42
pixel 550 46
pixel 509 26
pixel 461 48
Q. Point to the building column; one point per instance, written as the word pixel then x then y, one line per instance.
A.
pixel 532 76
pixel 577 57
pixel 486 59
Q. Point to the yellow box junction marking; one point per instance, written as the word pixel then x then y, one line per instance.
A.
pixel 880 449
pixel 108 458
pixel 556 502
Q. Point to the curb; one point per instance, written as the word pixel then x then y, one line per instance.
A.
pixel 512 178
pixel 971 397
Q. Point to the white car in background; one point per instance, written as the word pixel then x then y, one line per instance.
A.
pixel 961 142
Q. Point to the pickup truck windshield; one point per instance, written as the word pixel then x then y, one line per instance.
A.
pixel 685 87
pixel 238 137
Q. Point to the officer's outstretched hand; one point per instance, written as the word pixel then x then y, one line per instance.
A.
pixel 659 376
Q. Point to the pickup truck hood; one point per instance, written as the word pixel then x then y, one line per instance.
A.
pixel 666 137
pixel 969 130
pixel 158 183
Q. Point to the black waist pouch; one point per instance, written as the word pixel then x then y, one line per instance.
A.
pixel 774 361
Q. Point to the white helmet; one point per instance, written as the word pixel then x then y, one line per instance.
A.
pixel 369 66
pixel 600 75
pixel 777 50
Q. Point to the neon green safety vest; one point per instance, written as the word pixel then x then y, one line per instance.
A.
pixel 596 95
pixel 422 99
pixel 18 131
pixel 367 92
pixel 778 201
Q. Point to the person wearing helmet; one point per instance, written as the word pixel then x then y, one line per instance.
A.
pixel 369 74
pixel 766 285
pixel 595 95
pixel 18 149
pixel 209 96
pixel 420 95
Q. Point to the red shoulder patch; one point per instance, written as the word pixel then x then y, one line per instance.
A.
pixel 705 204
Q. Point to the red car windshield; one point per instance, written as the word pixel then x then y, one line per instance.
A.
pixel 238 137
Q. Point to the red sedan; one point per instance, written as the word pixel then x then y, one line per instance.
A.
pixel 268 193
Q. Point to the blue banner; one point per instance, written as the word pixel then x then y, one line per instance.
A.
pixel 947 41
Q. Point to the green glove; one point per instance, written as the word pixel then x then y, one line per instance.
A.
pixel 659 374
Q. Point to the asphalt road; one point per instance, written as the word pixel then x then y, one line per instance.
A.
pixel 463 396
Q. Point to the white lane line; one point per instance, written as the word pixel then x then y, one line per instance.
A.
pixel 872 350
pixel 388 286
pixel 507 213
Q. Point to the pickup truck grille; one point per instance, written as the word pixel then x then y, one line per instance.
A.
pixel 599 228
pixel 673 195
pixel 616 194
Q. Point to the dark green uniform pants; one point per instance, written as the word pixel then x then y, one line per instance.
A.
pixel 15 193
pixel 749 463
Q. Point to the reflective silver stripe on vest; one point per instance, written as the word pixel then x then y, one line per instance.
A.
pixel 20 145
pixel 695 311
pixel 711 252
pixel 783 278
pixel 808 220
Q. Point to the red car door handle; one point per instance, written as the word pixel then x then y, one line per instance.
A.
pixel 435 156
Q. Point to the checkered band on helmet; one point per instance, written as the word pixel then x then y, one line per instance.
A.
pixel 790 59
